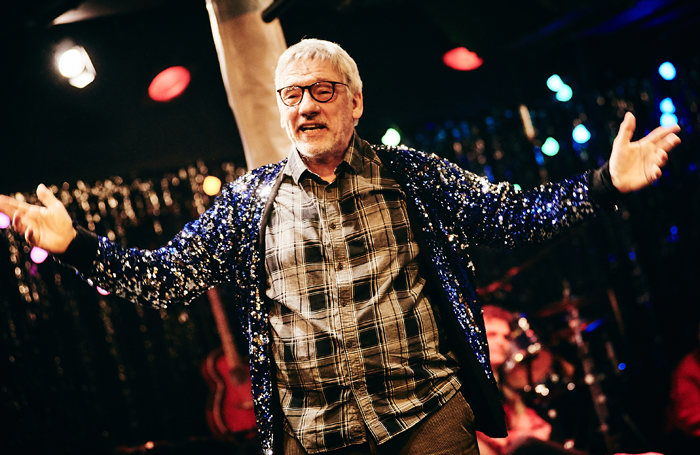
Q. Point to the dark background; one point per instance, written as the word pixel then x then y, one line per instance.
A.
pixel 83 373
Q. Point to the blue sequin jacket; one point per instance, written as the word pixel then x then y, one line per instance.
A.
pixel 450 210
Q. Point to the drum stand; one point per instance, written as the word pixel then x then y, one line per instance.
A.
pixel 599 398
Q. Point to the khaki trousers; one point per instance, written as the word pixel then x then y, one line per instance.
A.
pixel 448 431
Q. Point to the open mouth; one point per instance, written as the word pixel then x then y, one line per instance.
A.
pixel 311 127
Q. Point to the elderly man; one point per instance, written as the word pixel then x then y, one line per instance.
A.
pixel 352 269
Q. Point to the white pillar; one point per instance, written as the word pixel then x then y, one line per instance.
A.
pixel 248 50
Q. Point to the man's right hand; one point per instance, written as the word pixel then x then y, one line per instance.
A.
pixel 49 227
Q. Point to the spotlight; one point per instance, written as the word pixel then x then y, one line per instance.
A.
pixel 75 65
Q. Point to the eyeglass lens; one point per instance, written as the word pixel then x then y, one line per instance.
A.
pixel 320 91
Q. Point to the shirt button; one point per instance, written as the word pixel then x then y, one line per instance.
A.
pixel 350 344
pixel 329 189
pixel 332 226
pixel 340 266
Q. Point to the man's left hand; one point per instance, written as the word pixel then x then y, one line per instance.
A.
pixel 634 165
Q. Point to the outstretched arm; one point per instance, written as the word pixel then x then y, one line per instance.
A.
pixel 49 226
pixel 634 165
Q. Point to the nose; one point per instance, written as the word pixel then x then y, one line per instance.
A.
pixel 308 105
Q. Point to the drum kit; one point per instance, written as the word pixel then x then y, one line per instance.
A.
pixel 557 376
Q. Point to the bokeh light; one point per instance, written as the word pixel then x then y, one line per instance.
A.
pixel 667 71
pixel 666 105
pixel 169 84
pixel 4 221
pixel 75 65
pixel 550 147
pixel 668 119
pixel 70 63
pixel 581 134
pixel 38 255
pixel 211 185
pixel 462 59
pixel 391 137
pixel 101 291
pixel 564 94
pixel 554 83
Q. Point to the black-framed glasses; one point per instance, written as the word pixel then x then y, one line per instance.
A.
pixel 322 92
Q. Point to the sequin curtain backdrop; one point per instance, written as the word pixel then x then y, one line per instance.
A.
pixel 84 372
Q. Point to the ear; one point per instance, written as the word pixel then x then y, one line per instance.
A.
pixel 357 106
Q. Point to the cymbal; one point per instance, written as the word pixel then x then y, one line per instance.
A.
pixel 562 306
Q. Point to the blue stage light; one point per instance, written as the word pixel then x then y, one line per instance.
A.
pixel 669 119
pixel 666 106
pixel 667 71
pixel 538 156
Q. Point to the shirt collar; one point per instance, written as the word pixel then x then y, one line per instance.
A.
pixel 357 153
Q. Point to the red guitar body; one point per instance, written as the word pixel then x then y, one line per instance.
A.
pixel 230 405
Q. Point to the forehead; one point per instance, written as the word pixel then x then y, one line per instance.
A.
pixel 496 325
pixel 305 72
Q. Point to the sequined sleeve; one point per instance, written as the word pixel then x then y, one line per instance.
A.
pixel 199 257
pixel 471 210
pixel 498 214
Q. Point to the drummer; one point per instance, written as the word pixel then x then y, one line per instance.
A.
pixel 522 421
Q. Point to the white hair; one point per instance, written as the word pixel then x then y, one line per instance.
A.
pixel 315 49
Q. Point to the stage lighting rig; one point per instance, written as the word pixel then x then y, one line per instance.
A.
pixel 74 64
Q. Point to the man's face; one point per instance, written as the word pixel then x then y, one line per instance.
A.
pixel 318 129
pixel 498 336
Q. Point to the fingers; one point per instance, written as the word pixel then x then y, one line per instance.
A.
pixel 46 196
pixel 8 205
pixel 18 223
pixel 662 157
pixel 664 133
pixel 627 128
pixel 670 142
pixel 29 236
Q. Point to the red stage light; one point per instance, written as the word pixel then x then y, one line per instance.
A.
pixel 462 59
pixel 169 84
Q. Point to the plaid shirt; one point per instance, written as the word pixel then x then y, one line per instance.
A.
pixel 355 338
